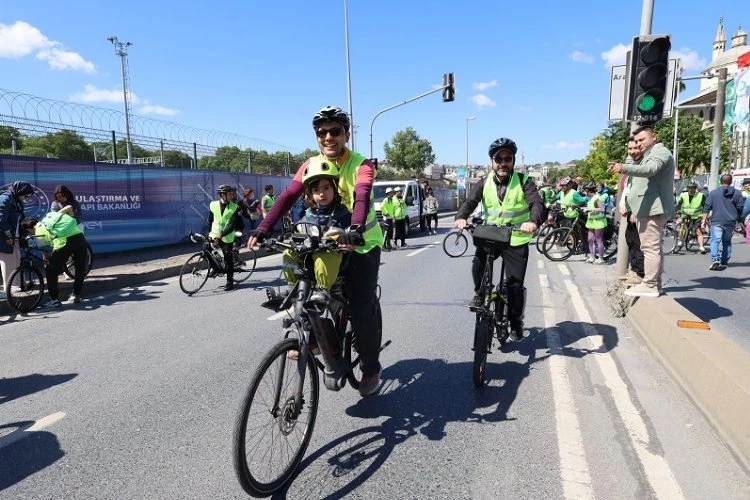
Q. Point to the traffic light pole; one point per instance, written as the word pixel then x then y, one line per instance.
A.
pixel 439 89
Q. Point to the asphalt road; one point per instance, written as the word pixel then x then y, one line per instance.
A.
pixel 134 394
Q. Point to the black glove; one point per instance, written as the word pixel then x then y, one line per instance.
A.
pixel 260 236
pixel 353 237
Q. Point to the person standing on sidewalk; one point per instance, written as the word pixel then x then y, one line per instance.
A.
pixel 725 205
pixel 11 214
pixel 635 257
pixel 652 202
pixel 399 216
pixel 386 210
pixel 431 207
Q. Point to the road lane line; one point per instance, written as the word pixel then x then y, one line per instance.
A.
pixel 574 469
pixel 657 470
pixel 415 252
pixel 540 264
pixel 40 424
pixel 563 269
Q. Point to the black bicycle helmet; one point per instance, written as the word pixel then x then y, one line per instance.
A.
pixel 224 188
pixel 590 186
pixel 502 143
pixel 331 113
pixel 692 185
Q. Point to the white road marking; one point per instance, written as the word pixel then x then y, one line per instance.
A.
pixel 40 424
pixel 563 269
pixel 281 314
pixel 657 470
pixel 540 264
pixel 574 469
pixel 415 252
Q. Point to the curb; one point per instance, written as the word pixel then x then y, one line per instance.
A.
pixel 710 368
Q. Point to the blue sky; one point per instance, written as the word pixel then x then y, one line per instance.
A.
pixel 535 71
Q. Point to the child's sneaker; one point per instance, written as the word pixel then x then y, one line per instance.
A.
pixel 52 304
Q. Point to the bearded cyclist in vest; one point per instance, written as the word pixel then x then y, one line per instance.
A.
pixel 690 203
pixel 507 197
pixel 360 278
pixel 224 219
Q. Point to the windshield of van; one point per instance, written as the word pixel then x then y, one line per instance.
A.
pixel 379 190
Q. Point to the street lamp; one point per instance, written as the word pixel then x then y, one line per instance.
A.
pixel 349 74
pixel 121 49
pixel 468 119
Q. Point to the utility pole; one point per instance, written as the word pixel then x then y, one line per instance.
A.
pixel 718 129
pixel 121 49
pixel 349 75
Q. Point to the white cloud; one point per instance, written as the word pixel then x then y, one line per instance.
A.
pixel 21 39
pixel 482 101
pixel 564 145
pixel 91 94
pixel 615 56
pixel 150 109
pixel 582 57
pixel 689 59
pixel 481 86
pixel 525 109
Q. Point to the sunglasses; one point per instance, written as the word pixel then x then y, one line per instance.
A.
pixel 335 132
pixel 503 159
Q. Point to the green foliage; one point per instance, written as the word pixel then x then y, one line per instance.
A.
pixel 65 144
pixel 409 154
pixel 7 134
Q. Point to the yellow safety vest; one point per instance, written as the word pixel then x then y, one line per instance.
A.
pixel 596 219
pixel 221 220
pixel 514 209
pixel 692 208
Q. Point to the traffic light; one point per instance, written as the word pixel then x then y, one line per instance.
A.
pixel 647 78
pixel 449 87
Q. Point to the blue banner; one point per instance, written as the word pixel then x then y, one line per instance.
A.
pixel 127 207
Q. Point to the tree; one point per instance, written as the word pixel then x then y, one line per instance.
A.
pixel 65 145
pixel 409 153
pixel 7 134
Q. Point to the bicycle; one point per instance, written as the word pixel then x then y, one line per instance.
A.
pixel 209 263
pixel 70 268
pixel 455 242
pixel 492 316
pixel 26 282
pixel 564 241
pixel 555 213
pixel 684 234
pixel 276 419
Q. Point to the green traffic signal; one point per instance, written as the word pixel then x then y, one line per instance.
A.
pixel 646 103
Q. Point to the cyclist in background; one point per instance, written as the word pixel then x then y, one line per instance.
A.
pixel 224 218
pixel 355 183
pixel 507 197
pixel 267 201
pixel 547 194
pixel 691 205
pixel 569 197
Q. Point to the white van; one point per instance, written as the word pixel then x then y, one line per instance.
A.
pixel 738 176
pixel 411 190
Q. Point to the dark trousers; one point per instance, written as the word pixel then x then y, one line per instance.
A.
pixel 635 256
pixel 227 250
pixel 400 230
pixel 76 246
pixel 360 287
pixel 429 219
pixel 516 260
pixel 388 227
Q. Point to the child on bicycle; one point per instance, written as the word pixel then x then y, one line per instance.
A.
pixel 326 211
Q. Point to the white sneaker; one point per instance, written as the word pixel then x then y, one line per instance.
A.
pixel 599 260
pixel 52 304
pixel 73 299
pixel 643 291
pixel 590 259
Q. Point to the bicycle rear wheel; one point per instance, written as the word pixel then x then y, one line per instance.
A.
pixel 244 265
pixel 194 273
pixel 455 244
pixel 25 288
pixel 559 244
pixel 690 238
pixel 610 246
pixel 541 234
pixel 270 437
pixel 70 268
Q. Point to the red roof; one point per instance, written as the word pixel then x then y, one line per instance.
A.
pixel 744 60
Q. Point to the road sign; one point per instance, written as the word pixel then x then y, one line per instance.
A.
pixel 617 90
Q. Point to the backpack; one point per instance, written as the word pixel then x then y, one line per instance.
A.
pixel 59 224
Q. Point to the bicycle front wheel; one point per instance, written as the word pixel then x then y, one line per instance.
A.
pixel 25 289
pixel 194 273
pixel 271 434
pixel 482 345
pixel 244 265
pixel 455 244
pixel 559 244
pixel 70 268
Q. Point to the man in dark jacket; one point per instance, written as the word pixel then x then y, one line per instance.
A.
pixel 725 206
pixel 11 213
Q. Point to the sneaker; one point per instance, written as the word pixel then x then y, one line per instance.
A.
pixel 73 299
pixel 643 291
pixel 52 304
pixel 714 265
pixel 590 259
pixel 476 302
pixel 320 297
pixel 369 384
pixel 633 280
pixel 703 250
pixel 516 332
pixel 229 287
pixel 403 244
pixel 599 260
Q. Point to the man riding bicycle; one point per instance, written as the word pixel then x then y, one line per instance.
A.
pixel 691 206
pixel 507 197
pixel 360 278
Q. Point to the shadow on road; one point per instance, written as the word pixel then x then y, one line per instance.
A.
pixel 24 453
pixel 705 309
pixel 715 282
pixel 17 387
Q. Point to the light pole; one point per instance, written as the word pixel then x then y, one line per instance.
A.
pixel 468 119
pixel 349 73
pixel 121 49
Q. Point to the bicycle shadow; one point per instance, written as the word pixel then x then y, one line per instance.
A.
pixel 24 452
pixel 17 387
